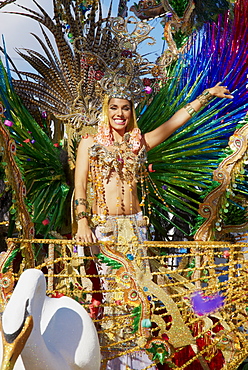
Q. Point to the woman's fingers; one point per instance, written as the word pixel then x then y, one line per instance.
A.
pixel 221 91
pixel 87 238
pixel 226 93
pixel 94 238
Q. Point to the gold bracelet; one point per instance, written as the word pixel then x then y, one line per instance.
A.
pixel 190 109
pixel 81 215
pixel 205 97
pixel 80 202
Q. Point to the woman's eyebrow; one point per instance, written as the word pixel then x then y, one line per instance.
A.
pixel 123 106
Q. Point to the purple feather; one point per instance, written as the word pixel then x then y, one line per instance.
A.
pixel 206 304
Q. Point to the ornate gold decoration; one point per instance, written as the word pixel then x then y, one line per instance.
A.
pixel 225 175
pixel 118 74
pixel 137 279
pixel 11 351
pixel 6 285
pixel 179 22
pixel 148 9
pixel 159 300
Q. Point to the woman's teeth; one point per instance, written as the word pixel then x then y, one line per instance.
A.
pixel 119 121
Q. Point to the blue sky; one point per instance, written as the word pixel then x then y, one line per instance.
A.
pixel 17 30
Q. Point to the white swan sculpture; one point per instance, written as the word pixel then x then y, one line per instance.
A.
pixel 47 333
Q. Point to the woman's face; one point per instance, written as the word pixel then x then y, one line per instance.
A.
pixel 120 113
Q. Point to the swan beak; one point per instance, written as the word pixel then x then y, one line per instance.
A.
pixel 12 349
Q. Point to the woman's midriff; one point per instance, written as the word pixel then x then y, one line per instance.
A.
pixel 119 198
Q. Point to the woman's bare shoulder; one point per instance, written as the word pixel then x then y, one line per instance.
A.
pixel 86 141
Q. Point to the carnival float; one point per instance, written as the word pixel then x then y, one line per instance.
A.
pixel 183 303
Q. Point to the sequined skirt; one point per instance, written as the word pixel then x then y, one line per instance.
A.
pixel 123 228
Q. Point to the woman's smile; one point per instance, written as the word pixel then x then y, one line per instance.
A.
pixel 120 121
pixel 120 113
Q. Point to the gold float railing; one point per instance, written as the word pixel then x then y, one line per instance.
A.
pixel 173 272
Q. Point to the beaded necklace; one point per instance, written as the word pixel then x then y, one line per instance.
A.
pixel 121 160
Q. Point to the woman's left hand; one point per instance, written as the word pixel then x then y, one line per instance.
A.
pixel 220 91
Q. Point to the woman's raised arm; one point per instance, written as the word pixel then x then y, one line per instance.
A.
pixel 157 136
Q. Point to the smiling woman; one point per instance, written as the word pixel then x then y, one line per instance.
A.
pixel 114 160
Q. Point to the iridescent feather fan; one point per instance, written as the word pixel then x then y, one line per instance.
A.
pixel 184 163
pixel 42 163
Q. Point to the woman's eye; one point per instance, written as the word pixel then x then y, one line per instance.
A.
pixel 124 108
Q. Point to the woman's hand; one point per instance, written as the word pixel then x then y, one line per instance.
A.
pixel 220 91
pixel 84 232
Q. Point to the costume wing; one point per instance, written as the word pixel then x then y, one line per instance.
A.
pixel 42 164
pixel 181 168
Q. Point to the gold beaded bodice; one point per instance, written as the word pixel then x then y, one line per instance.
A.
pixel 120 163
pixel 120 160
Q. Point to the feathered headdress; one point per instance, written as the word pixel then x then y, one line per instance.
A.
pixel 103 60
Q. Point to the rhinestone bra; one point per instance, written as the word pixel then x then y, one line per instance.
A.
pixel 128 165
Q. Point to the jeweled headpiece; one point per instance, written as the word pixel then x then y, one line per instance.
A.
pixel 119 76
pixel 71 84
